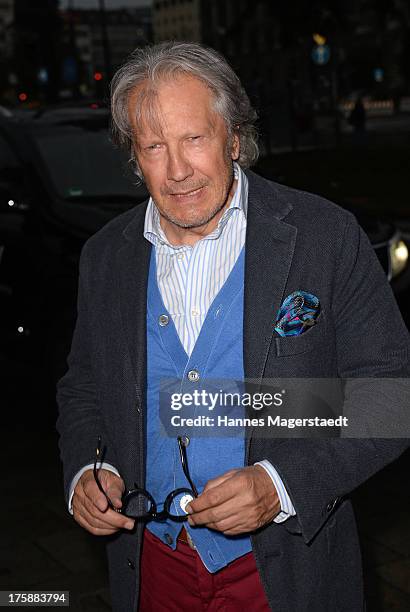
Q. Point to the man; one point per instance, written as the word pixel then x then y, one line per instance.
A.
pixel 189 287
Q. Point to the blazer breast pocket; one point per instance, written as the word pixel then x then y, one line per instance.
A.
pixel 310 340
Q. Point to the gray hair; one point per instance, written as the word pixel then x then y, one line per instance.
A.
pixel 157 63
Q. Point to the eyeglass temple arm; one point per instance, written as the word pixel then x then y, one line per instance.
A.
pixel 98 458
pixel 184 462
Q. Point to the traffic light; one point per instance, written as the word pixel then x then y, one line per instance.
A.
pixel 99 84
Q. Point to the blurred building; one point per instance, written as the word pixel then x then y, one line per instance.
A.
pixel 77 53
pixel 46 51
pixel 249 34
pixel 6 20
pixel 126 30
pixel 177 20
pixel 273 47
pixel 36 42
pixel 99 42
pixel 95 43
pixel 377 44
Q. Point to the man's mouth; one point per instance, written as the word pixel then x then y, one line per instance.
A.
pixel 184 194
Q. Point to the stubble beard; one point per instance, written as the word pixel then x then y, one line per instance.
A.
pixel 202 220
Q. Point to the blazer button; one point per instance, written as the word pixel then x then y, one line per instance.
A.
pixel 331 505
pixel 130 564
pixel 168 539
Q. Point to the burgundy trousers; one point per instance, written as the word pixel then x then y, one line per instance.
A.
pixel 178 581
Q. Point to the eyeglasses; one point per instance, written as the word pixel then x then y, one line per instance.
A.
pixel 138 504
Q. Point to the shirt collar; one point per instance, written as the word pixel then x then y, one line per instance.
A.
pixel 155 234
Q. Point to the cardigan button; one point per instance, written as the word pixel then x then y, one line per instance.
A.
pixel 193 375
pixel 330 506
pixel 163 320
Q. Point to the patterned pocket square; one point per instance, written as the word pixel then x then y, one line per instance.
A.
pixel 298 312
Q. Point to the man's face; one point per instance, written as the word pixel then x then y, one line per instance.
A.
pixel 186 160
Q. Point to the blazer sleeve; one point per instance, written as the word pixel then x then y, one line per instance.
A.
pixel 79 421
pixel 371 341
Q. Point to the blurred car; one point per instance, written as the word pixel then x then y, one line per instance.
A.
pixel 61 180
pixel 389 245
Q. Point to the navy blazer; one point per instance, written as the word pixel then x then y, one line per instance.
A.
pixel 294 240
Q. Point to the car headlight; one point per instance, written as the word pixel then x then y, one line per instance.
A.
pixel 399 255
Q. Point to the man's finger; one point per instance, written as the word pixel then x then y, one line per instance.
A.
pixel 112 485
pixel 215 514
pixel 215 482
pixel 109 517
pixel 237 523
pixel 93 495
pixel 215 495
pixel 97 499
pixel 84 521
pixel 108 520
pixel 115 493
pixel 228 525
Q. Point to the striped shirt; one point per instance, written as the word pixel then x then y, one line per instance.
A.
pixel 190 277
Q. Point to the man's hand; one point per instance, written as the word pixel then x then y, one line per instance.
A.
pixel 90 507
pixel 239 501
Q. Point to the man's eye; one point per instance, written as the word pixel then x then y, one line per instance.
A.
pixel 152 147
pixel 193 138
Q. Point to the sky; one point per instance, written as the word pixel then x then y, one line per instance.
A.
pixel 109 3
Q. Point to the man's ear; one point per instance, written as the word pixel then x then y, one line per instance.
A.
pixel 236 145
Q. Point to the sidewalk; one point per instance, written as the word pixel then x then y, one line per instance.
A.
pixel 42 547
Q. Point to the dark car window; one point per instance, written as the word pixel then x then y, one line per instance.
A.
pixel 84 164
pixel 8 159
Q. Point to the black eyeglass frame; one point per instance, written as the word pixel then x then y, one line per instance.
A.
pixel 152 514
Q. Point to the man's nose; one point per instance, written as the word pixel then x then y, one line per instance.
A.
pixel 179 167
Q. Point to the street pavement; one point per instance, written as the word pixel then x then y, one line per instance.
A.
pixel 41 546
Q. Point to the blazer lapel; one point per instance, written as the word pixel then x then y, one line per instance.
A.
pixel 270 243
pixel 133 259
